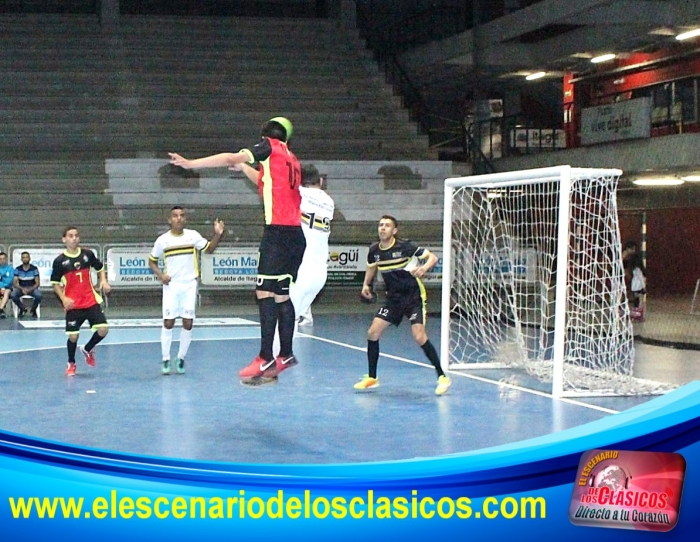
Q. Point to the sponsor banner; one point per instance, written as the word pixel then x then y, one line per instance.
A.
pixel 43 258
pixel 237 267
pixel 629 119
pixel 138 322
pixel 346 265
pixel 230 267
pixel 623 489
pixel 128 267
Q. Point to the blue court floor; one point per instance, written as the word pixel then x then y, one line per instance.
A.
pixel 312 416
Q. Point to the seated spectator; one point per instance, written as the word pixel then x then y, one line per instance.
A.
pixel 26 283
pixel 7 275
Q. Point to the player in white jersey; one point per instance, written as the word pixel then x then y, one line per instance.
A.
pixel 317 209
pixel 179 249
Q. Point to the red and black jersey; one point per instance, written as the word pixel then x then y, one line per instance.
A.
pixel 278 181
pixel 73 272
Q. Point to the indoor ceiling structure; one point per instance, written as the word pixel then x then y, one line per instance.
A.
pixel 550 36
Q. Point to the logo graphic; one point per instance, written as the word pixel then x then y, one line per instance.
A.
pixel 267 365
pixel 628 490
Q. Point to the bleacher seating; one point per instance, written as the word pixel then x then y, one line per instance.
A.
pixel 75 99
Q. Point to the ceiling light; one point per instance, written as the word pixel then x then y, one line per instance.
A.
pixel 662 181
pixel 688 35
pixel 603 58
pixel 691 178
pixel 536 75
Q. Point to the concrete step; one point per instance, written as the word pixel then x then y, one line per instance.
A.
pixel 183 79
pixel 94 232
pixel 314 155
pixel 303 145
pixel 30 217
pixel 51 169
pixel 71 90
pixel 264 106
pixel 232 117
pixel 55 200
pixel 131 64
pixel 383 133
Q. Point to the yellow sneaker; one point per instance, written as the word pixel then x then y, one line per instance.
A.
pixel 443 385
pixel 367 383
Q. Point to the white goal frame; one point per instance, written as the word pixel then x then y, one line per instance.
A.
pixel 564 176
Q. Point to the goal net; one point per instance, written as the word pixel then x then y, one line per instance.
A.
pixel 533 280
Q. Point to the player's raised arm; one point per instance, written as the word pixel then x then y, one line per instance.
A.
pixel 219 228
pixel 225 159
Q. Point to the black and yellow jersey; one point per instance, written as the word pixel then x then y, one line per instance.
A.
pixel 392 261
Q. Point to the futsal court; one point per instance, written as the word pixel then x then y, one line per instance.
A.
pixel 313 415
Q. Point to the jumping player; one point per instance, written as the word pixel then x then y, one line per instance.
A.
pixel 282 246
pixel 317 209
pixel 402 264
pixel 72 284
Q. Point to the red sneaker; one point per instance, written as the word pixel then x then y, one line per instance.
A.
pixel 258 367
pixel 70 370
pixel 282 364
pixel 89 356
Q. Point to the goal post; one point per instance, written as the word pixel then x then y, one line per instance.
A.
pixel 533 280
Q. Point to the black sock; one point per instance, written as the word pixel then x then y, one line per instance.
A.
pixel 285 323
pixel 93 342
pixel 268 323
pixel 72 347
pixel 430 352
pixel 372 357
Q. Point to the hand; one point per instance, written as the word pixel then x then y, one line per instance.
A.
pixel 177 160
pixel 25 291
pixel 366 292
pixel 165 279
pixel 236 167
pixel 106 288
pixel 68 303
pixel 219 226
pixel 419 271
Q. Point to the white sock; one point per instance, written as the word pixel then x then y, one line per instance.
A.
pixel 166 339
pixel 185 340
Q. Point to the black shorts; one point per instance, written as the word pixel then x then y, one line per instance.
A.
pixel 281 251
pixel 411 306
pixel 76 317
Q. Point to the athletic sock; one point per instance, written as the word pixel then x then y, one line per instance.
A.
pixel 431 353
pixel 185 340
pixel 166 339
pixel 268 322
pixel 285 323
pixel 72 347
pixel 93 342
pixel 372 357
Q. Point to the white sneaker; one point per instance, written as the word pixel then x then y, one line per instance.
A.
pixel 303 321
pixel 306 319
